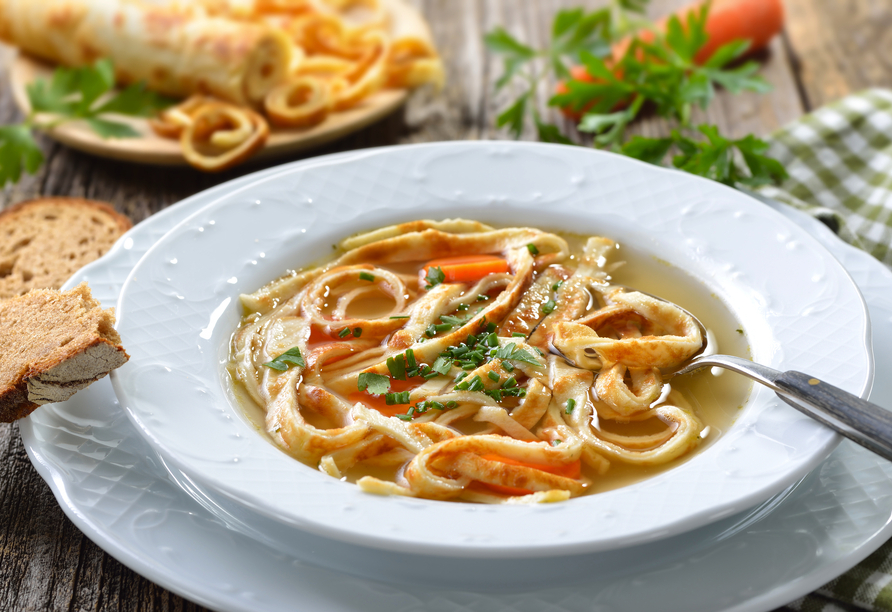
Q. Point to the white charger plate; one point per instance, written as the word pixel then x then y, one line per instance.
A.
pixel 111 485
pixel 180 304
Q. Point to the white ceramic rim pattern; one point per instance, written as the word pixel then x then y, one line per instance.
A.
pixel 770 446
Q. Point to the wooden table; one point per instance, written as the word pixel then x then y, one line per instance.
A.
pixel 829 49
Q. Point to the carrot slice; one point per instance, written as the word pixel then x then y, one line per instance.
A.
pixel 468 268
pixel 571 470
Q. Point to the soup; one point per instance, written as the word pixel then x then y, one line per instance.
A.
pixel 450 360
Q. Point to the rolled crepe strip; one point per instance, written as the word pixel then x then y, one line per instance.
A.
pixel 171 122
pixel 302 101
pixel 177 50
pixel 324 66
pixel 413 62
pixel 368 76
pixel 222 135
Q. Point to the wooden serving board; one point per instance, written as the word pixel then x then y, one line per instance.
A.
pixel 149 148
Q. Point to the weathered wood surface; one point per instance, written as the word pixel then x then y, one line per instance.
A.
pixel 829 48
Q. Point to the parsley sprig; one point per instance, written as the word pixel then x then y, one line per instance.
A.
pixel 662 74
pixel 73 94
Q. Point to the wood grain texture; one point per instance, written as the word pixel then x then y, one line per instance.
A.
pixel 48 564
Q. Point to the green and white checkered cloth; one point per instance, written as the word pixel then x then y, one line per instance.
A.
pixel 840 163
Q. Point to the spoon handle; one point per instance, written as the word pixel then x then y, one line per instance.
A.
pixel 859 420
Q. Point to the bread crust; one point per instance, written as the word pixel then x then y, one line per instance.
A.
pixel 124 223
pixel 57 343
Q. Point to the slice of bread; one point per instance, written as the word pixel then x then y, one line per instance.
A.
pixel 43 242
pixel 52 345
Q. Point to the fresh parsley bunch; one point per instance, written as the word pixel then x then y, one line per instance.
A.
pixel 661 74
pixel 71 94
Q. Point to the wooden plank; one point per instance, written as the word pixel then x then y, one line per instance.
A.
pixel 840 46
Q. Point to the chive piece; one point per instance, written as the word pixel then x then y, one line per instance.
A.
pixel 469 366
pixel 493 376
pixel 344 332
pixel 510 383
pixel 291 357
pixel 496 394
pixel 482 298
pixel 557 285
pixel 357 332
pixel 532 249
pixel 492 339
pixel 518 335
pixel 548 307
pixel 366 276
pixel 436 405
pixel 396 398
pixel 740 331
pixel 507 366
pixel 411 364
pixel 463 307
pixel 376 384
pixel 400 317
pixel 397 367
pixel 460 376
pixel 492 327
pixel 571 404
pixel 434 277
pixel 404 417
pixel 451 404
pixel 555 442
pixel 476 384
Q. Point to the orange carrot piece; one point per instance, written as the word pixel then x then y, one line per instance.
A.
pixel 571 470
pixel 468 268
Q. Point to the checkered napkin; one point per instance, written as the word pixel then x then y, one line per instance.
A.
pixel 840 163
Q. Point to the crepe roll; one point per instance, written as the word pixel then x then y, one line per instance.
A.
pixel 177 50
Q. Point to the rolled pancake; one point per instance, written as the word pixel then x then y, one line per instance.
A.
pixel 176 50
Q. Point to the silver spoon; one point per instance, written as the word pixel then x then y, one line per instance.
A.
pixel 859 420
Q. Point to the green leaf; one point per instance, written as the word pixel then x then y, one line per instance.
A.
pixel 650 150
pixel 595 122
pixel 635 6
pixel 514 352
pixel 500 41
pixel 18 152
pixel 376 384
pixel 135 101
pixel 434 277
pixel 596 67
pixel 697 89
pixel 512 67
pixel 742 78
pixel 727 53
pixel 291 357
pixel 565 20
pixel 111 129
pixel 513 116
pixel 548 132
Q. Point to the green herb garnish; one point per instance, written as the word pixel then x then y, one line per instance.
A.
pixel 434 277
pixel 376 384
pixel 532 249
pixel 571 404
pixel 291 357
pixel 344 332
pixel 548 307
pixel 493 376
pixel 85 94
pixel 396 398
pixel 366 277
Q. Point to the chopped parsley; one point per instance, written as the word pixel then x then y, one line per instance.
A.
pixel 512 351
pixel 291 357
pixel 376 384
pixel 434 277
pixel 366 277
